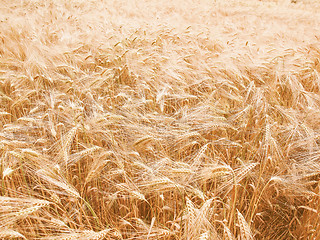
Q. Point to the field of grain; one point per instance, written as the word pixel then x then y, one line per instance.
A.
pixel 156 119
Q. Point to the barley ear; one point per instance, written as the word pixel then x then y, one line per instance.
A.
pixel 245 231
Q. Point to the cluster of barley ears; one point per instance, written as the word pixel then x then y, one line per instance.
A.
pixel 159 120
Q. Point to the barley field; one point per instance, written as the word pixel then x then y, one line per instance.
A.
pixel 155 119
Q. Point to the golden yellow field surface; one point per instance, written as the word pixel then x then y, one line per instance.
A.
pixel 154 119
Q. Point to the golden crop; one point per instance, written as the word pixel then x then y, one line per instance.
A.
pixel 154 119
